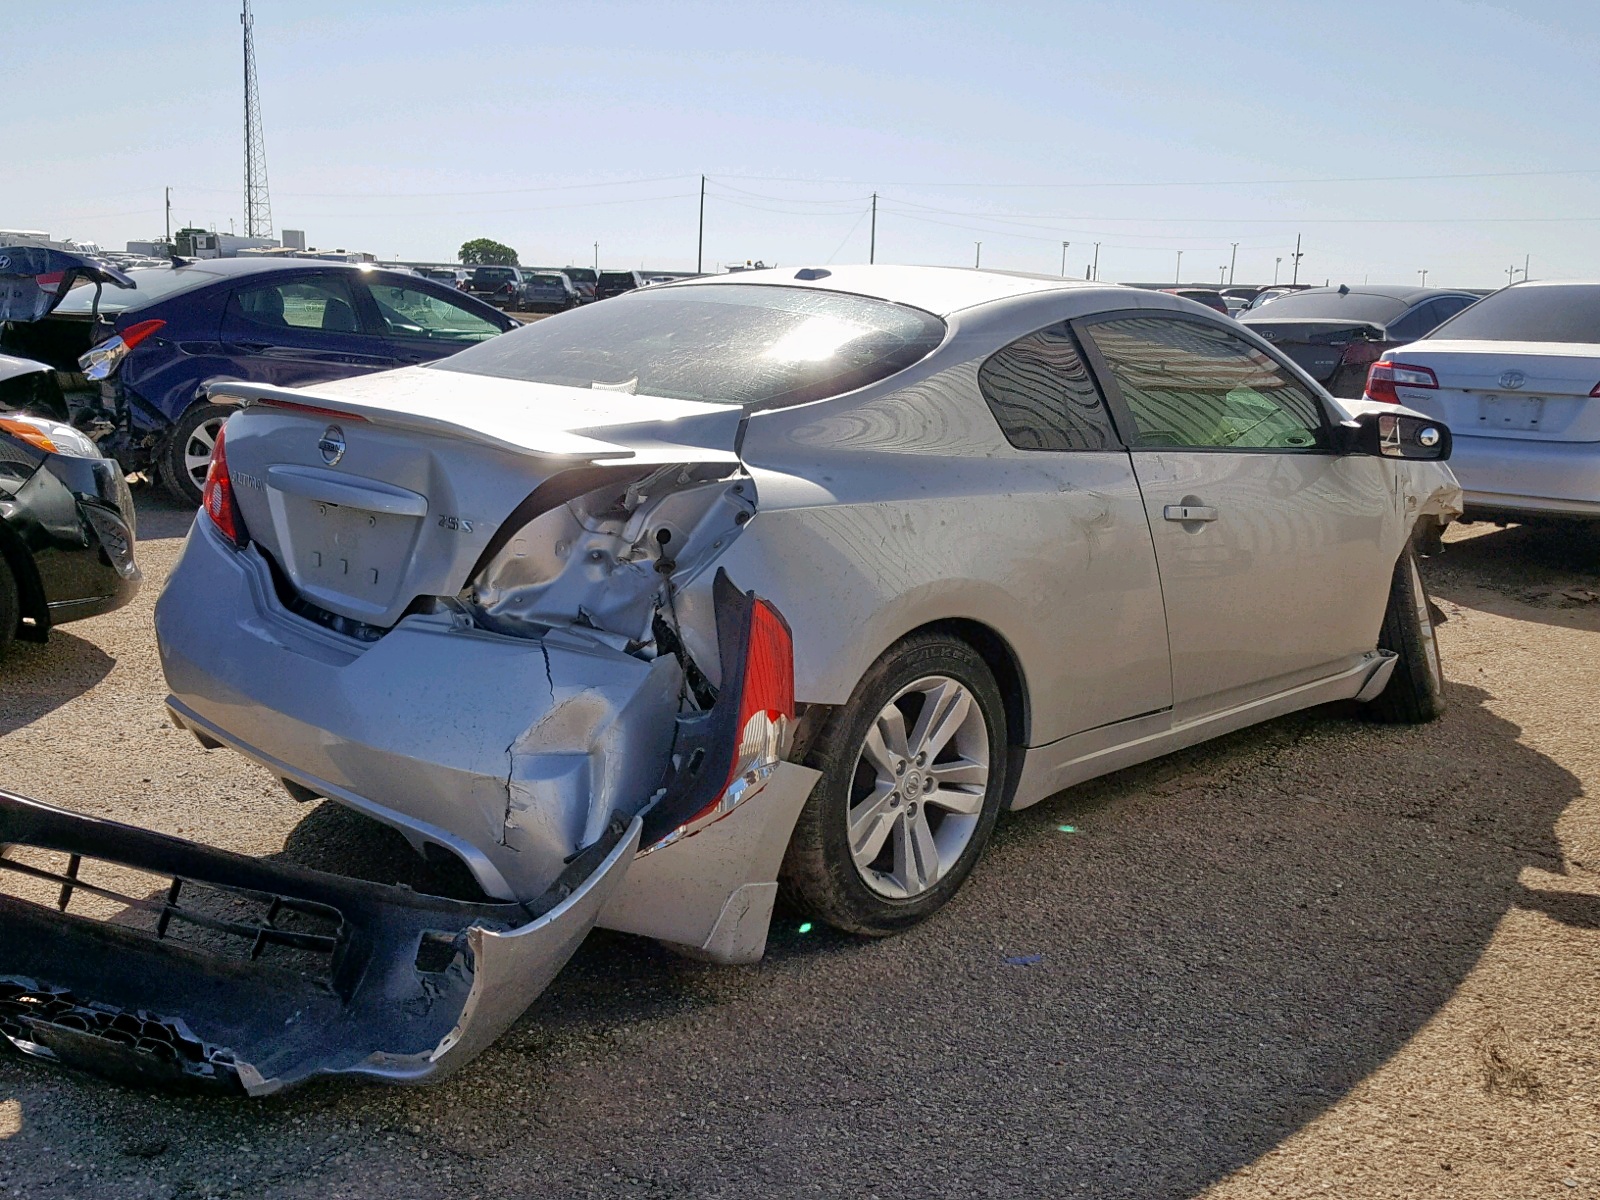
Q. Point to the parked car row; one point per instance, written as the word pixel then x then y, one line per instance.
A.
pixel 570 606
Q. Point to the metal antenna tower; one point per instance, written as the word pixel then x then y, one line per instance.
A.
pixel 257 208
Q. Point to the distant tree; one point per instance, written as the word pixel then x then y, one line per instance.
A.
pixel 487 252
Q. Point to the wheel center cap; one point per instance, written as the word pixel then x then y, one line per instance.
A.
pixel 912 783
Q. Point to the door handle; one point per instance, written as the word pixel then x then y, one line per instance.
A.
pixel 1189 512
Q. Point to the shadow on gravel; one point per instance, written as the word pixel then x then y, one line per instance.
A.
pixel 38 679
pixel 1215 949
pixel 160 516
pixel 1552 570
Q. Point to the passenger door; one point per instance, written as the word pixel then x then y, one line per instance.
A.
pixel 420 325
pixel 298 329
pixel 1271 546
pixel 1095 575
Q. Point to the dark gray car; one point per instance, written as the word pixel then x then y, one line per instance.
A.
pixel 1335 333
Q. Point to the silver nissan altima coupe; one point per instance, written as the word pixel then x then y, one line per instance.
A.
pixel 780 580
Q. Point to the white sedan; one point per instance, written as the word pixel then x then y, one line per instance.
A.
pixel 1517 379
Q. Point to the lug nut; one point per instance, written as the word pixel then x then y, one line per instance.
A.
pixel 927 784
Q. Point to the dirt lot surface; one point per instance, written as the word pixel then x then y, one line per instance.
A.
pixel 1319 958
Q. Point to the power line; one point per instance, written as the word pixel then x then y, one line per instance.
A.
pixel 1175 183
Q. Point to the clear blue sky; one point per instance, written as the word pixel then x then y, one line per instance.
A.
pixel 405 128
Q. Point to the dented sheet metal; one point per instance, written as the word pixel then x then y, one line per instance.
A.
pixel 391 984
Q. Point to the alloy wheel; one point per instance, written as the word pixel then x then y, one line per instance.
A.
pixel 197 450
pixel 918 788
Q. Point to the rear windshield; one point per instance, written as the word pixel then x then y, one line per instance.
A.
pixel 1566 313
pixel 547 280
pixel 154 283
pixel 493 274
pixel 724 343
pixel 623 277
pixel 1329 303
pixel 579 274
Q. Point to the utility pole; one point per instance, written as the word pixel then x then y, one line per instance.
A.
pixel 872 242
pixel 1233 261
pixel 1276 263
pixel 1177 275
pixel 169 220
pixel 700 246
pixel 1064 246
pixel 1525 259
pixel 1297 257
pixel 1096 269
pixel 1423 271
pixel 257 208
pixel 597 256
pixel 977 257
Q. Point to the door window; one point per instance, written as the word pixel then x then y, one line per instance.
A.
pixel 413 313
pixel 1190 384
pixel 322 304
pixel 1041 394
pixel 1418 321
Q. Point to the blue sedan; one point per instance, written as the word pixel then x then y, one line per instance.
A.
pixel 148 355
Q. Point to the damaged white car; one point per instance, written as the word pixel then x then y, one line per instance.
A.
pixel 780 579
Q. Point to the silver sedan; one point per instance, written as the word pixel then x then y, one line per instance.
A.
pixel 787 579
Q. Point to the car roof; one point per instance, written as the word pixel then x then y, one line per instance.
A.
pixel 1403 292
pixel 939 290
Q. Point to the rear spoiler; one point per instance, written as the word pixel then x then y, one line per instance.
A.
pixel 33 280
pixel 228 973
pixel 481 411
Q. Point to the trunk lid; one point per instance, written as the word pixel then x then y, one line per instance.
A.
pixel 371 492
pixel 1528 391
pixel 1316 345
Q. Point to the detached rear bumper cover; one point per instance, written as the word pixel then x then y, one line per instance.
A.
pixel 413 985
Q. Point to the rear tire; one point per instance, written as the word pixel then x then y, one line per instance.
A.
pixel 187 452
pixel 1415 692
pixel 10 606
pixel 906 802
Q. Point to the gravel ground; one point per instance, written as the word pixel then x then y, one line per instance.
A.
pixel 1318 957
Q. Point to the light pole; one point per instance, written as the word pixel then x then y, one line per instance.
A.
pixel 1276 263
pixel 1095 270
pixel 1177 275
pixel 597 256
pixel 1297 257
pixel 1423 271
pixel 1233 261
pixel 1064 246
pixel 1222 275
pixel 977 254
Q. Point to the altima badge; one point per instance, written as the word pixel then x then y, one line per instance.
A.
pixel 332 445
pixel 1512 380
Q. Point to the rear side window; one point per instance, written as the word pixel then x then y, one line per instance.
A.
pixel 729 343
pixel 322 304
pixel 1041 394
pixel 1190 384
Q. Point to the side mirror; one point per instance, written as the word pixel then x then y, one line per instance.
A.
pixel 1396 435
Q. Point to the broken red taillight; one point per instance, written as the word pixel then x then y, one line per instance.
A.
pixel 217 496
pixel 729 752
pixel 1384 378
pixel 766 701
